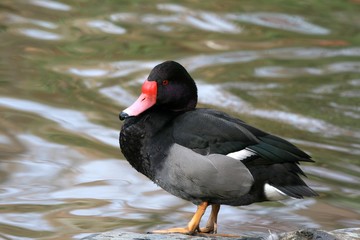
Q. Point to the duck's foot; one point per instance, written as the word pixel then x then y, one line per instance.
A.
pixel 208 230
pixel 186 231
pixel 211 225
pixel 173 230
pixel 192 226
pixel 201 234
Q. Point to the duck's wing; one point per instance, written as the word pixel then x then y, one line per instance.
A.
pixel 207 131
pixel 272 161
pixel 214 178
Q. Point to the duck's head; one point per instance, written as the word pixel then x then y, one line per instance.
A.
pixel 169 86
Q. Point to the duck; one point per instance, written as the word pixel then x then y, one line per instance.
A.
pixel 204 155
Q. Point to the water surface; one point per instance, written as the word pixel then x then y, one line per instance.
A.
pixel 68 68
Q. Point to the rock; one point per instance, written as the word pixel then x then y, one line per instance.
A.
pixel 315 234
pixel 303 234
pixel 307 234
pixel 118 235
pixel 347 233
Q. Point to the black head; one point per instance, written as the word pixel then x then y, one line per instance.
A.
pixel 169 86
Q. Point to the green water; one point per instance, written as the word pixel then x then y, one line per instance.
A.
pixel 68 68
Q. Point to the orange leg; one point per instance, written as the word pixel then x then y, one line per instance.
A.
pixel 192 226
pixel 211 225
pixel 210 230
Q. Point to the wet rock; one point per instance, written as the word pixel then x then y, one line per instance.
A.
pixel 314 234
pixel 118 235
pixel 303 234
pixel 347 233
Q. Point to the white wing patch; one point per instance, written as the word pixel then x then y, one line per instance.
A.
pixel 242 154
pixel 273 194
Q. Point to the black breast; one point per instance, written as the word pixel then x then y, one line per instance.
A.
pixel 131 140
pixel 145 140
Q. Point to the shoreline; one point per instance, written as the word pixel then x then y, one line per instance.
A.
pixel 301 234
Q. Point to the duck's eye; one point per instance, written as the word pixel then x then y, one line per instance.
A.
pixel 165 82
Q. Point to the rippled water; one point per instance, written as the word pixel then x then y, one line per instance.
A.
pixel 68 68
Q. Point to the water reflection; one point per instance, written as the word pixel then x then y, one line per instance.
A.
pixel 98 26
pixel 223 23
pixel 51 4
pixel 39 34
pixel 68 119
pixel 67 69
pixel 281 21
pixel 10 19
pixel 124 68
